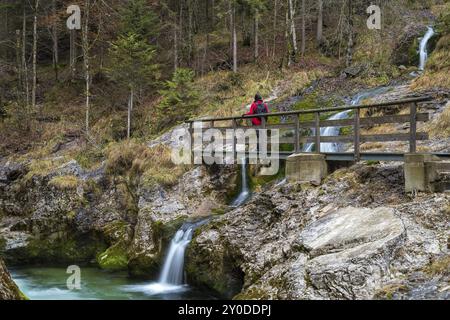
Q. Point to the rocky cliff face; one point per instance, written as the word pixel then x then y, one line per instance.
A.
pixel 357 236
pixel 67 214
pixel 8 289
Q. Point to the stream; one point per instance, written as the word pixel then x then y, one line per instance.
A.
pixel 49 283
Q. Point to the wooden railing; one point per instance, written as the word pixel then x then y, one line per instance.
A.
pixel 357 122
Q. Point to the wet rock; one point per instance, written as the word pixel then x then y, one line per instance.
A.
pixel 8 289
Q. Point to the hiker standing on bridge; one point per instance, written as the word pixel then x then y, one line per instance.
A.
pixel 258 107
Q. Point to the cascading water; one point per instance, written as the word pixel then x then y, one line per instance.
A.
pixel 172 273
pixel 244 194
pixel 423 51
pixel 173 268
pixel 334 131
pixel 328 131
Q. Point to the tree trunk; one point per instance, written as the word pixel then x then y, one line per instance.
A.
pixel 33 94
pixel 73 53
pixel 55 41
pixel 275 12
pixel 319 21
pixel 175 47
pixel 303 28
pixel 292 21
pixel 19 67
pixel 180 27
pixel 24 58
pixel 293 33
pixel 130 108
pixel 233 27
pixel 349 57
pixel 190 37
pixel 86 61
pixel 256 31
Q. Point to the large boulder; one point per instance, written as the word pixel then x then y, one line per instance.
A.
pixel 351 250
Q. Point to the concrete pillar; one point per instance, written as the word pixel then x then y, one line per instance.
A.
pixel 306 167
pixel 419 174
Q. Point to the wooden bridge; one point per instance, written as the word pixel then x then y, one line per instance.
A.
pixel 295 131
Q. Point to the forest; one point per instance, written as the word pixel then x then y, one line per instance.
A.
pixel 132 63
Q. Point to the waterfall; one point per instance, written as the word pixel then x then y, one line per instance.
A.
pixel 172 279
pixel 244 194
pixel 334 131
pixel 328 131
pixel 173 268
pixel 423 48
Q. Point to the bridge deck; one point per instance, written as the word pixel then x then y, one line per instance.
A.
pixel 349 156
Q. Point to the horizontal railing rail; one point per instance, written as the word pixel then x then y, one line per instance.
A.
pixel 324 110
pixel 299 126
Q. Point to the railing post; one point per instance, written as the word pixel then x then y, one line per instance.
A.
pixel 234 140
pixel 317 132
pixel 357 135
pixel 297 133
pixel 412 127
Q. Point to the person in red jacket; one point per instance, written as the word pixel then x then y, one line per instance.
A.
pixel 258 107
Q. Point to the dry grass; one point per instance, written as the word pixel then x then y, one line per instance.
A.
pixel 439 267
pixel 440 127
pixel 139 163
pixel 42 167
pixel 371 146
pixel 226 94
pixel 68 182
pixel 389 290
pixel 381 129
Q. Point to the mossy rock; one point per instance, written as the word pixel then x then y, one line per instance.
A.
pixel 164 231
pixel 148 264
pixel 8 289
pixel 144 266
pixel 58 248
pixel 115 258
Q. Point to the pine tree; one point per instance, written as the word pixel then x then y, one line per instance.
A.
pixel 180 98
pixel 132 64
pixel 139 19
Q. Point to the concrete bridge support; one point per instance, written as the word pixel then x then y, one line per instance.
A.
pixel 306 167
pixel 423 172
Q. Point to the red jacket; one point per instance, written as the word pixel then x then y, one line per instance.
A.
pixel 253 108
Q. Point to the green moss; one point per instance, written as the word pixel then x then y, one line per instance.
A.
pixel 344 131
pixel 58 248
pixel 413 53
pixel 115 258
pixel 117 231
pixel 256 180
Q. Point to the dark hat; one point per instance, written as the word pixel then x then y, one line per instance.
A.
pixel 258 97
